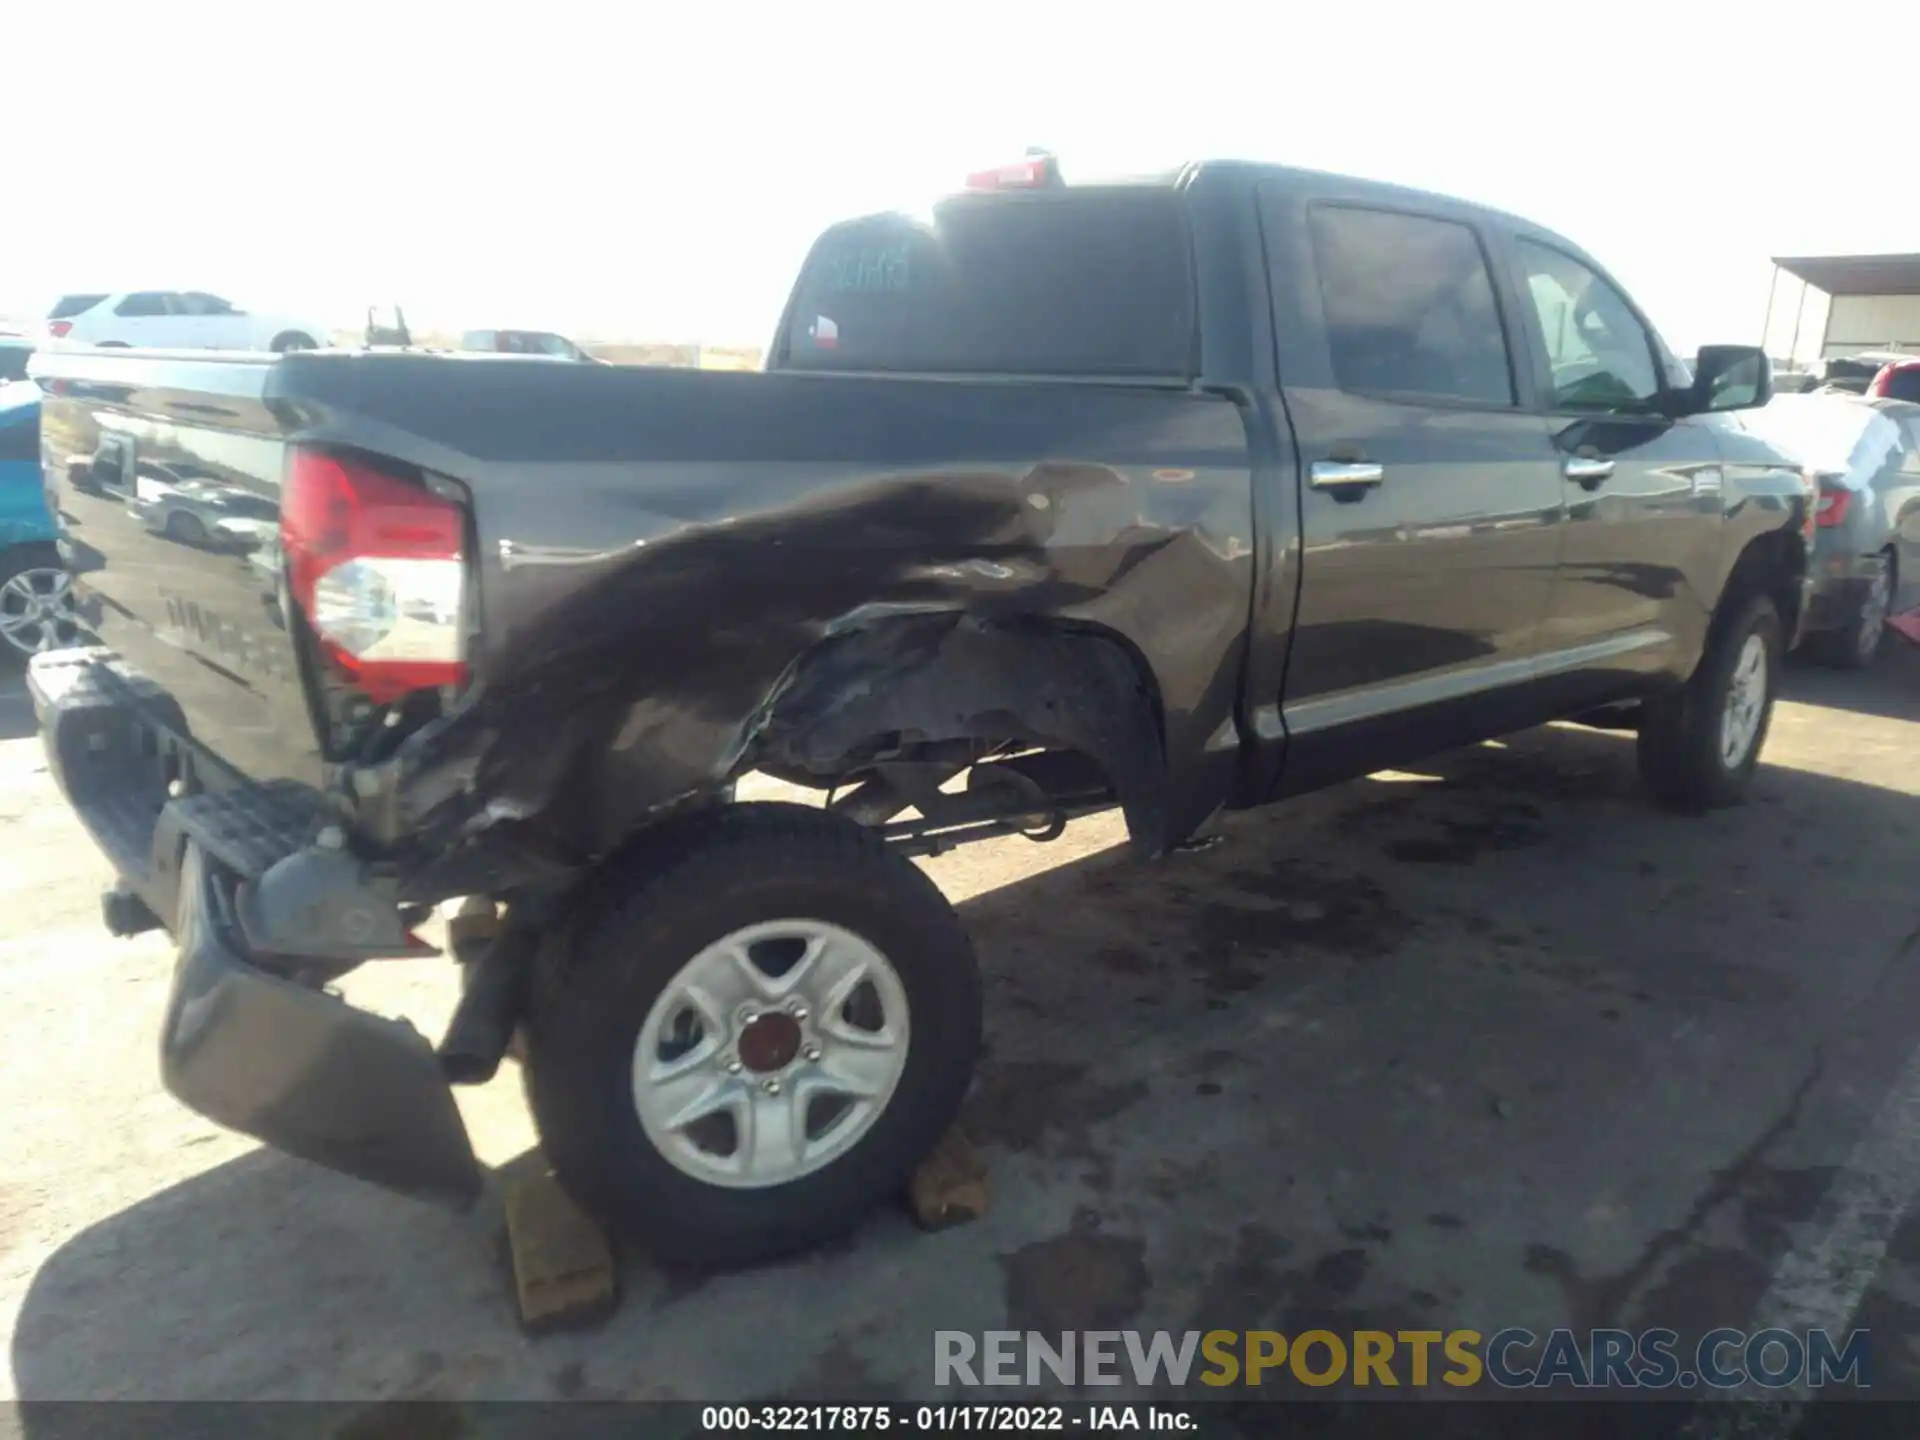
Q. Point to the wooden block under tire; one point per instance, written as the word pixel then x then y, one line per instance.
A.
pixel 563 1268
pixel 950 1187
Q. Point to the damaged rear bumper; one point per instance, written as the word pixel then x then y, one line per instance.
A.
pixel 301 1069
pixel 244 1042
pixel 1836 600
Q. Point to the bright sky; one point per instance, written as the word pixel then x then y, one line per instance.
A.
pixel 655 171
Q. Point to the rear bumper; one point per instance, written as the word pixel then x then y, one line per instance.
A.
pixel 300 1069
pixel 1834 604
pixel 1841 568
pixel 245 1042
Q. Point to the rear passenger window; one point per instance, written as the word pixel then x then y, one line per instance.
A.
pixel 141 305
pixel 1409 306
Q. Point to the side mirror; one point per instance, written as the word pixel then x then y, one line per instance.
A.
pixel 1729 377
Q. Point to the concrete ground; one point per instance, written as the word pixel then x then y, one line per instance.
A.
pixel 1488 1043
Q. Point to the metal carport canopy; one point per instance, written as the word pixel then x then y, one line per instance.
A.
pixel 1856 274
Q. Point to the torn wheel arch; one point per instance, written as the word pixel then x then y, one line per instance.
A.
pixel 924 680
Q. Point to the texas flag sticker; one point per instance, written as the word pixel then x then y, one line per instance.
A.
pixel 824 333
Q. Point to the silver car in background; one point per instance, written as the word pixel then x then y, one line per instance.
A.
pixel 196 507
pixel 1865 456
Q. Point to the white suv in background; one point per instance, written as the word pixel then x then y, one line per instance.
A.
pixel 174 320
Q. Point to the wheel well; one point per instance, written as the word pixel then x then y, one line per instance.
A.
pixel 944 692
pixel 1771 565
pixel 15 558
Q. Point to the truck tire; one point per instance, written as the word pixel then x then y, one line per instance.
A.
pixel 1699 744
pixel 760 1022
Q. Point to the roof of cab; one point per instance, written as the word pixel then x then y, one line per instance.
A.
pixel 1203 175
pixel 1195 174
pixel 1255 171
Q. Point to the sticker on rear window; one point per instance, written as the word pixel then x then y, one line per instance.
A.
pixel 824 333
pixel 867 271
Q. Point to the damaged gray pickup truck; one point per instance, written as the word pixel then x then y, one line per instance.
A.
pixel 1181 495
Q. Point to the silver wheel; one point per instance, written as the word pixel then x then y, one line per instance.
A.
pixel 1874 608
pixel 1746 703
pixel 36 611
pixel 770 1053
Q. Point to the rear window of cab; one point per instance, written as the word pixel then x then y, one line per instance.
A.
pixel 1093 282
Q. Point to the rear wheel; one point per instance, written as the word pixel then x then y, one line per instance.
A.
pixel 1699 745
pixel 761 1023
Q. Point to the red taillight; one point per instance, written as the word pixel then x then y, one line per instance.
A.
pixel 59 329
pixel 378 567
pixel 1896 380
pixel 1831 508
pixel 1032 173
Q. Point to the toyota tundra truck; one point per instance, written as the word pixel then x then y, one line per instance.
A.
pixel 1178 495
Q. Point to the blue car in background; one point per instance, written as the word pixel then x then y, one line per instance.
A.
pixel 36 604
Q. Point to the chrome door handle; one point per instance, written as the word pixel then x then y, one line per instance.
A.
pixel 1338 474
pixel 1586 470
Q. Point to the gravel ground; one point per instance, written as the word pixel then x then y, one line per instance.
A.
pixel 1487 1043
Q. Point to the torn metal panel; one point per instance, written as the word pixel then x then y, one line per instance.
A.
pixel 664 564
pixel 766 606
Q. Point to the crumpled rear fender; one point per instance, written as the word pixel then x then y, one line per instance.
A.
pixel 683 625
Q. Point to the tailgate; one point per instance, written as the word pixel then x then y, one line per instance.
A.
pixel 166 474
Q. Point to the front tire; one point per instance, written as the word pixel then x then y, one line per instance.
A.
pixel 1699 745
pixel 760 1024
